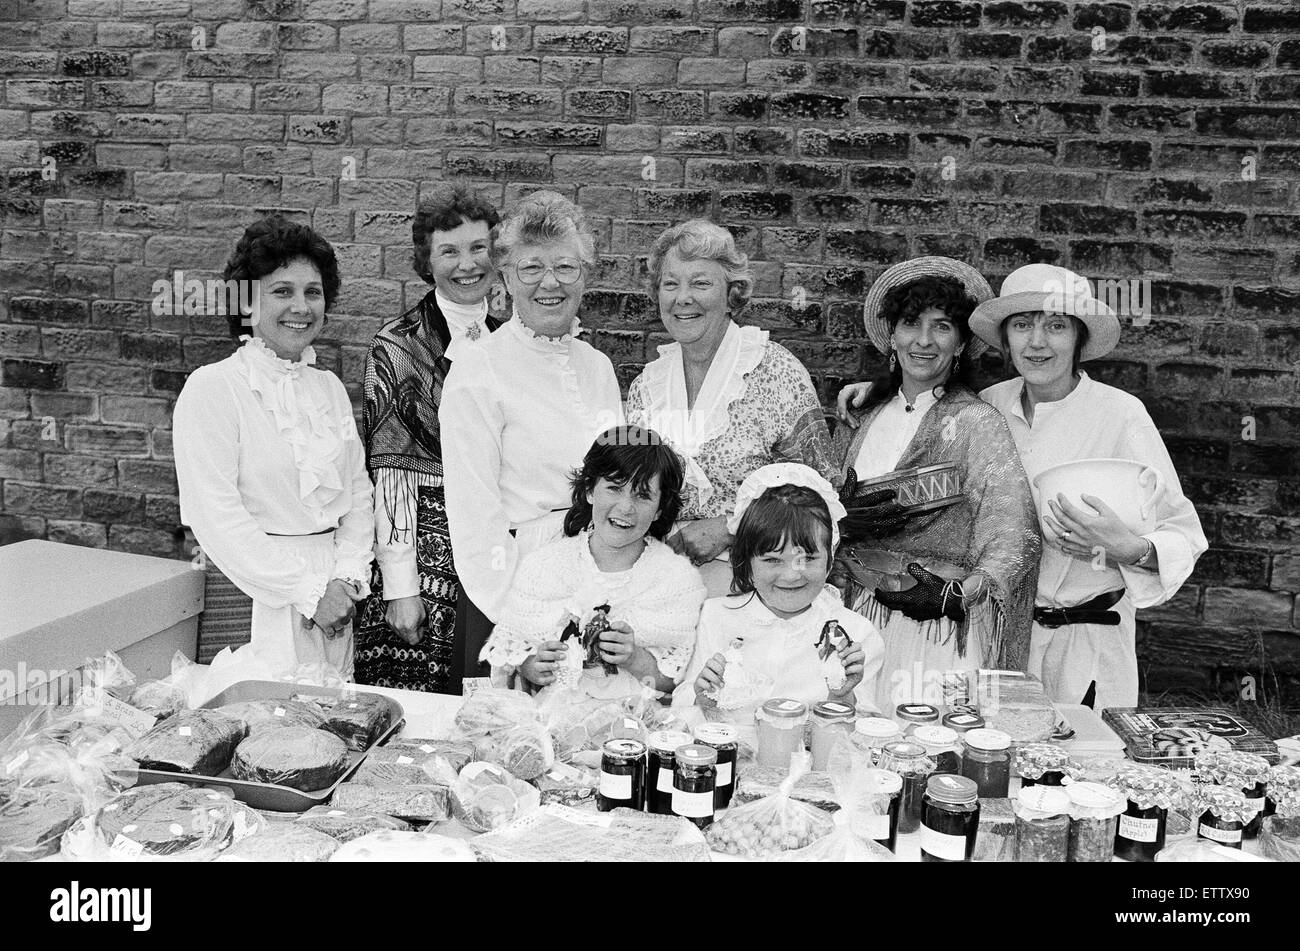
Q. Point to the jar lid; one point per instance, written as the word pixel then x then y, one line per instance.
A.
pixel 936 736
pixel 784 708
pixel 1035 759
pixel 989 740
pixel 877 727
pixel 718 734
pixel 962 722
pixel 916 712
pixel 954 789
pixel 882 782
pixel 624 748
pixel 1090 795
pixel 1048 800
pixel 1279 779
pixel 833 711
pixel 1227 803
pixel 697 754
pixel 667 741
pixel 903 749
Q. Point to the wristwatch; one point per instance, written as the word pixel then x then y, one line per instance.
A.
pixel 1147 555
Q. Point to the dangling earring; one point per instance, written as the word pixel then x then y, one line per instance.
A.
pixel 956 363
pixel 893 360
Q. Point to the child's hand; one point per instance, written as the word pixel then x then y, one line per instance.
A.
pixel 540 668
pixel 854 660
pixel 617 644
pixel 710 679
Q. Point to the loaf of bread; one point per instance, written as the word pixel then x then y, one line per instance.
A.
pixel 359 721
pixel 282 842
pixel 294 756
pixel 197 742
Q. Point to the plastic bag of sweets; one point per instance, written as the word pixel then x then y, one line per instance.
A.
pixel 495 710
pixel 866 827
pixel 778 823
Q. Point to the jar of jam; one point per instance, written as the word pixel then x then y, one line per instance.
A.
pixel 871 734
pixel 1281 838
pixel 909 716
pixel 987 760
pixel 1042 824
pixel 724 739
pixel 830 719
pixel 881 803
pixel 622 775
pixel 1150 793
pixel 660 765
pixel 950 819
pixel 1044 763
pixel 781 724
pixel 942 746
pixel 959 721
pixel 1094 819
pixel 693 783
pixel 909 761
pixel 1281 779
pixel 1249 773
pixel 1224 813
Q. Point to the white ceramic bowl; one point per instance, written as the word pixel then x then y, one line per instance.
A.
pixel 1130 488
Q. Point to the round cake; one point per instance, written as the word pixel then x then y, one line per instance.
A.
pixel 295 756
pixel 165 819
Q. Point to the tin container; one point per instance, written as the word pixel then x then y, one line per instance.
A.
pixel 270 796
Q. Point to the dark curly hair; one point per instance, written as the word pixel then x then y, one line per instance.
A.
pixel 448 206
pixel 911 299
pixel 270 244
pixel 783 514
pixel 620 454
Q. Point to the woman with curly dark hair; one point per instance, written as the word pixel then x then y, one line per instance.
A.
pixel 946 569
pixel 271 469
pixel 405 632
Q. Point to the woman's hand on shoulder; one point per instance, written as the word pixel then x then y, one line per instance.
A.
pixel 851 397
pixel 702 540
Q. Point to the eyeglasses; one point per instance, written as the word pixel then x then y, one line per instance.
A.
pixel 531 271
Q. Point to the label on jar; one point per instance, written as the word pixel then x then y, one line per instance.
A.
pixel 615 787
pixel 789 705
pixel 877 827
pixel 1218 835
pixel 665 781
pixel 1138 830
pixel 941 845
pixel 692 805
pixel 916 711
pixel 724 775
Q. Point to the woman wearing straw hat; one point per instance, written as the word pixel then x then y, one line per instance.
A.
pixel 948 578
pixel 1095 570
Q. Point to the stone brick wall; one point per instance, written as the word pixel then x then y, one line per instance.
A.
pixel 1128 140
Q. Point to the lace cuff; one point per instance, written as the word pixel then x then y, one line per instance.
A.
pixel 508 650
pixel 352 563
pixel 309 592
pixel 672 661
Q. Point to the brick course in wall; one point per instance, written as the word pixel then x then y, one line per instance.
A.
pixel 1127 140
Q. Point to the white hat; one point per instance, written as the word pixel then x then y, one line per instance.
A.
pixel 932 265
pixel 787 473
pixel 1051 289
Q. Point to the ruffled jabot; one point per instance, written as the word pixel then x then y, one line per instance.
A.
pixel 313 434
pixel 688 429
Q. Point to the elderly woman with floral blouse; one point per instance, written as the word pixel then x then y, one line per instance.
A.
pixel 727 398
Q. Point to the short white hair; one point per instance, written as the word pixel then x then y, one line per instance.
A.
pixel 540 218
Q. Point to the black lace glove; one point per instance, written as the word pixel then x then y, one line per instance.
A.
pixel 929 599
pixel 870 514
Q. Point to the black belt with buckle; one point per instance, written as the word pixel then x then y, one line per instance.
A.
pixel 1090 612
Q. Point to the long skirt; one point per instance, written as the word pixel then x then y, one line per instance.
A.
pixel 282 638
pixel 385 660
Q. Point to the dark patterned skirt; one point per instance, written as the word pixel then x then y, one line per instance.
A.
pixel 385 660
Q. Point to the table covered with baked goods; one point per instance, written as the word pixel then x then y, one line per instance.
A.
pixel 188 768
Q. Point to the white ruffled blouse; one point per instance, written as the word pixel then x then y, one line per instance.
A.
pixel 659 597
pixel 265 446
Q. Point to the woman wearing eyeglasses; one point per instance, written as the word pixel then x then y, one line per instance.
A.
pixel 519 411
pixel 727 398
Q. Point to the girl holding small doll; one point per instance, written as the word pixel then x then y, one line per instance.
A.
pixel 782 632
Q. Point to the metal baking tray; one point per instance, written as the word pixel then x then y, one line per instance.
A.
pixel 270 796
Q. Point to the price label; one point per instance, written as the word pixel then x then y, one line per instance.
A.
pixel 472 685
pixel 126 848
pixel 13 765
pixel 426 748
pixel 137 722
pixel 279 711
pixel 404 761
pixel 185 731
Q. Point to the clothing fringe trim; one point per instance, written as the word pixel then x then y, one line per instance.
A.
pixel 986 620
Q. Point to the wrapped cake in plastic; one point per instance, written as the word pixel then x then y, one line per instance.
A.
pixel 259 715
pixel 347 824
pixel 162 821
pixel 557 833
pixel 282 842
pixel 294 756
pixel 198 742
pixel 389 846
pixel 359 720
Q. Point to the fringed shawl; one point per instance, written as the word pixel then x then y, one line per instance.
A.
pixel 405 372
pixel 993 529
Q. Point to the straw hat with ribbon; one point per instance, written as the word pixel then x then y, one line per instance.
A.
pixel 1052 289
pixel 905 273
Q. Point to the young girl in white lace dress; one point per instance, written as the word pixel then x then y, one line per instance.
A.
pixel 610 569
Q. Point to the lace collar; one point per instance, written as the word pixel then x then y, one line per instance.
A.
pixel 256 352
pixel 535 340
pixel 688 430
